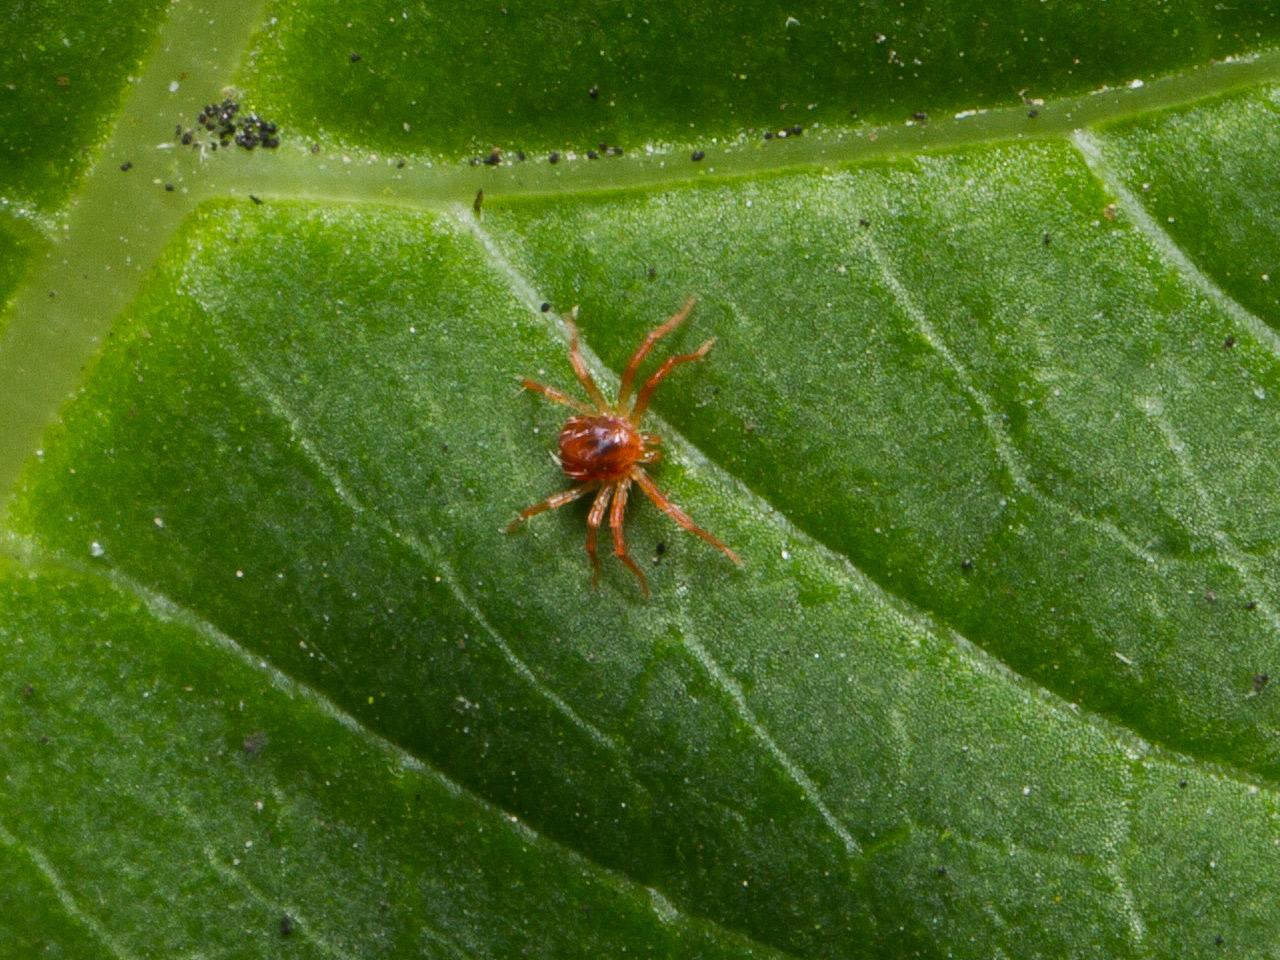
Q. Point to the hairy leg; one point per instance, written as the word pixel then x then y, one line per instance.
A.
pixel 580 367
pixel 675 513
pixel 619 541
pixel 642 351
pixel 551 393
pixel 594 519
pixel 646 392
pixel 552 502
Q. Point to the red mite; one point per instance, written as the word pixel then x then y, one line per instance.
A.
pixel 603 449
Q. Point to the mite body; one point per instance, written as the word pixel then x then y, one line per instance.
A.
pixel 604 450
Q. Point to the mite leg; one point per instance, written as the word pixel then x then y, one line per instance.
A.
pixel 642 351
pixel 551 503
pixel 580 368
pixel 594 519
pixel 675 513
pixel 646 392
pixel 551 393
pixel 619 542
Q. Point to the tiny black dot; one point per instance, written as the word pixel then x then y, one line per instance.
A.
pixel 127 166
pixel 864 222
pixel 966 565
pixel 554 157
pixel 796 130
pixel 1047 239
pixel 168 188
pixel 697 155
pixel 287 925
pixel 545 306
pixel 355 58
pixel 256 200
pixel 592 155
pixel 1251 605
pixel 1033 113
pixel 920 116
pixel 1228 343
pixel 594 92
pixel 1182 784
pixel 768 134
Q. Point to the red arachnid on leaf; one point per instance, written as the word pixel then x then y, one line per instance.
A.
pixel 603 448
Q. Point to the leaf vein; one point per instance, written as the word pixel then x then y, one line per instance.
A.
pixel 165 609
pixel 1008 452
pixel 434 557
pixel 909 614
pixel 1091 149
pixel 68 902
pixel 1235 557
pixel 526 292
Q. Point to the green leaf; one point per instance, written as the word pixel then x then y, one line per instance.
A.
pixel 991 420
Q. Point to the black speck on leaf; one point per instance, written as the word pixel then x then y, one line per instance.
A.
pixel 697 155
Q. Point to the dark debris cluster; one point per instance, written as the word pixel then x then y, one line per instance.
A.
pixel 792 131
pixel 225 126
pixel 496 157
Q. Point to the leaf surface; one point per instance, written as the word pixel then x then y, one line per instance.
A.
pixel 990 418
